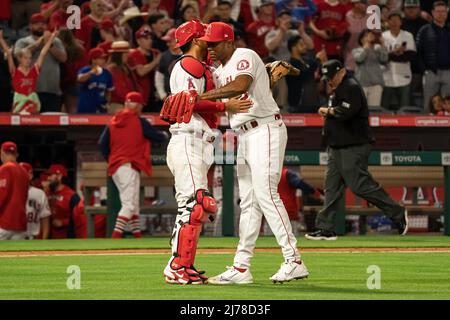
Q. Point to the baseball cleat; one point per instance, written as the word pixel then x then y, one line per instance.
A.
pixel 290 271
pixel 321 235
pixel 232 276
pixel 196 273
pixel 180 276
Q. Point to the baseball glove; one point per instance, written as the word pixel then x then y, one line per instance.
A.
pixel 279 69
pixel 178 108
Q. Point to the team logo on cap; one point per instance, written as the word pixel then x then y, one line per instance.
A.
pixel 243 65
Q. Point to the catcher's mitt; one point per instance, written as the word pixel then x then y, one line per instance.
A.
pixel 178 108
pixel 279 69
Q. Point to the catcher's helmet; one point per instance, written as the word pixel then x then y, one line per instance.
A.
pixel 188 31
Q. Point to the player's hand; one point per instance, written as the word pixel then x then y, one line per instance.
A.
pixel 235 105
pixel 323 111
pixel 57 223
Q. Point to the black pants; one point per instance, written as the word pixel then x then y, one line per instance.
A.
pixel 348 167
pixel 50 102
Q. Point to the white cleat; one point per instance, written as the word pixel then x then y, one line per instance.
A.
pixel 232 276
pixel 290 271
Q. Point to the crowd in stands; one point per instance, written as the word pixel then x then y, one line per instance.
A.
pixel 129 45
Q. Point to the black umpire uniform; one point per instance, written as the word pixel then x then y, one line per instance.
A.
pixel 349 142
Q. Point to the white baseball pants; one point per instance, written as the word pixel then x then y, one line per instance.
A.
pixel 259 165
pixel 128 183
pixel 12 235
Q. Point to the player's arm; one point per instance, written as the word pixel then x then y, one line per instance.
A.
pixel 45 217
pixel 151 133
pixel 235 88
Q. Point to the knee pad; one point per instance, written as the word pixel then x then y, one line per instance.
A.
pixel 205 207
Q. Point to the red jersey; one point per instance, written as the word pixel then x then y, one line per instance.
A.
pixel 13 197
pixel 123 84
pixel 125 124
pixel 256 33
pixel 105 45
pixel 85 33
pixel 5 10
pixel 25 83
pixel 146 83
pixel 331 18
pixel 58 19
pixel 62 204
pixel 288 196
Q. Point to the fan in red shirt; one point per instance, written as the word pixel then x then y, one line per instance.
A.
pixel 107 34
pixel 124 80
pixel 5 10
pixel 13 195
pixel 143 62
pixel 89 32
pixel 63 203
pixel 257 30
pixel 329 27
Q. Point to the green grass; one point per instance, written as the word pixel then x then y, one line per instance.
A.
pixel 333 276
pixel 263 242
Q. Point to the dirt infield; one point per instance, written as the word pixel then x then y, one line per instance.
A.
pixel 6 254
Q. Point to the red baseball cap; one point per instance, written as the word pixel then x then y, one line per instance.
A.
pixel 188 31
pixel 96 53
pixel 106 24
pixel 37 18
pixel 170 35
pixel 57 169
pixel 218 32
pixel 135 97
pixel 9 146
pixel 143 32
pixel 27 167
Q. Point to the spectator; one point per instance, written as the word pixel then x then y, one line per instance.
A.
pixel 433 47
pixel 89 32
pixel 159 28
pixel 5 13
pixel 13 194
pixel 329 27
pixel 143 61
pixel 168 58
pixel 58 19
pixel 154 7
pixel 37 209
pixel 25 76
pixel 370 56
pixel 107 33
pixel 437 105
pixel 300 10
pixel 223 14
pixel 303 93
pixel 22 12
pixel 357 23
pixel 446 106
pixel 258 29
pixel 48 84
pixel 76 59
pixel 397 75
pixel 188 13
pixel 6 96
pixel 63 202
pixel 96 84
pixel 123 78
pixel 412 22
pixel 276 40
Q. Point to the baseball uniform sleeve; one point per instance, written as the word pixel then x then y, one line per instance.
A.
pixel 151 133
pixel 246 63
pixel 181 80
pixel 5 181
pixel 104 143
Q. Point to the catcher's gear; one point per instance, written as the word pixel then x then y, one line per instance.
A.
pixel 279 69
pixel 178 108
pixel 200 208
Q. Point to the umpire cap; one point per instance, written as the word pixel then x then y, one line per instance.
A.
pixel 330 68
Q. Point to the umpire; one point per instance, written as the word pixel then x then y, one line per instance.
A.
pixel 349 143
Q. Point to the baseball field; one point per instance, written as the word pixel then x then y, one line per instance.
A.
pixel 411 267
